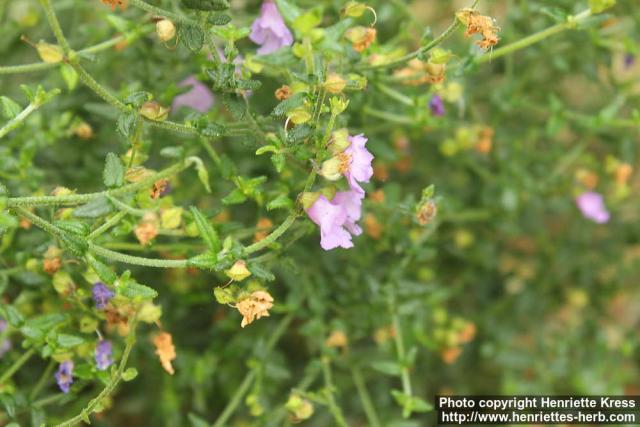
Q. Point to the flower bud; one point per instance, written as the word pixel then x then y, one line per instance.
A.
pixel 62 283
pixel 238 271
pixel 299 115
pixel 299 409
pixel 308 198
pixel 357 81
pixel 332 169
pixel 149 312
pixel 339 141
pixel 334 83
pixel 154 111
pixel 83 131
pixel 165 30
pixel 61 191
pixel 49 53
pixel 338 105
pixel 328 192
pixel 353 9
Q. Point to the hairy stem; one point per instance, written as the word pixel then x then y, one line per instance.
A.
pixel 78 199
pixel 16 366
pixel 110 387
pixel 570 23
pixel 248 379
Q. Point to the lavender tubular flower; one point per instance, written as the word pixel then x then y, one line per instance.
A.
pixel 103 355
pixel 64 375
pixel 436 106
pixel 101 295
pixel 199 97
pixel 591 205
pixel 269 30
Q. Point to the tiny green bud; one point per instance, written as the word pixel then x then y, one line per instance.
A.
pixel 353 9
pixel 332 169
pixel 165 30
pixel 339 141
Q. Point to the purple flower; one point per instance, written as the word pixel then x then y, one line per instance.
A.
pixel 269 30
pixel 337 218
pixel 103 354
pixel 359 168
pixel 436 105
pixel 629 60
pixel 101 295
pixel 64 376
pixel 351 202
pixel 591 204
pixel 5 345
pixel 199 97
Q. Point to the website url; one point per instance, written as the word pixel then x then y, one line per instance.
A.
pixel 476 417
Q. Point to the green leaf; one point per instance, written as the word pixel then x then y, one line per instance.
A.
pixel 303 24
pixel 129 374
pixel 235 105
pixel 289 104
pixel 288 10
pixel 206 261
pixel 78 228
pixel 193 37
pixel 226 294
pixel 387 367
pixel 74 244
pixel 10 108
pixel 113 174
pixel 135 290
pixel 126 123
pixel 95 208
pixel 136 99
pixel 68 341
pixel 234 198
pixel 410 403
pixel 206 230
pixel 280 202
pixel 70 76
pixel 219 19
pixel 598 6
pixel 260 272
pixel 278 161
pixel 103 271
pixel 206 4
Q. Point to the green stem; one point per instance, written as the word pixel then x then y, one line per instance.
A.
pixel 273 236
pixel 16 366
pixel 136 260
pixel 110 387
pixel 331 402
pixel 78 199
pixel 107 225
pixel 44 378
pixel 107 44
pixel 406 379
pixel 55 26
pixel 128 209
pixel 162 12
pixel 367 405
pixel 421 51
pixel 394 94
pixel 390 117
pixel 570 23
pixel 17 120
pixel 248 379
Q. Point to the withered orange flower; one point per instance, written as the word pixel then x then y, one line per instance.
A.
pixel 254 307
pixel 158 188
pixel 165 350
pixel 283 92
pixel 115 3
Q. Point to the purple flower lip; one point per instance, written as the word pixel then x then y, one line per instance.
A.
pixel 101 295
pixel 64 375
pixel 436 106
pixel 591 205
pixel 103 355
pixel 199 97
pixel 629 60
pixel 269 30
